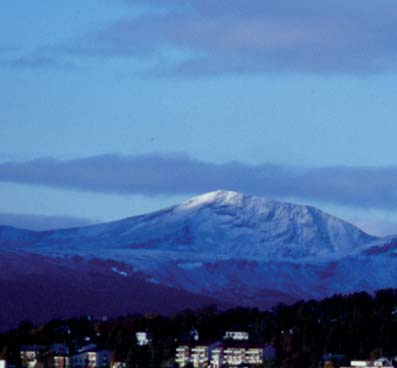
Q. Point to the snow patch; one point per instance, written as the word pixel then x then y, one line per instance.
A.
pixel 219 196
pixel 122 273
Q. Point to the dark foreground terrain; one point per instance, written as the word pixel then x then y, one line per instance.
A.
pixel 359 326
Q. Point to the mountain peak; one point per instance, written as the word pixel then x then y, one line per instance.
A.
pixel 218 196
pixel 243 225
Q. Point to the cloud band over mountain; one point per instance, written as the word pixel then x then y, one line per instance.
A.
pixel 363 187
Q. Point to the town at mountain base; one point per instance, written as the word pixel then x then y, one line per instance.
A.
pixel 341 331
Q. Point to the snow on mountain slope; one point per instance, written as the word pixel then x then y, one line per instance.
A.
pixel 266 283
pixel 242 225
pixel 217 224
pixel 237 248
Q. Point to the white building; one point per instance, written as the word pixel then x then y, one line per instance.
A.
pixel 234 356
pixel 254 355
pixel 143 338
pixel 382 362
pixel 182 357
pixel 237 356
pixel 236 335
pixel 59 361
pixel 91 359
pixel 58 356
pixel 118 365
pixel 31 355
pixel 201 354
pixel 216 355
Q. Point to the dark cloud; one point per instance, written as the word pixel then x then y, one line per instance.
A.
pixel 256 36
pixel 364 187
pixel 207 37
pixel 41 222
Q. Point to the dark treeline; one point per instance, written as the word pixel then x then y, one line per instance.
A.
pixel 359 326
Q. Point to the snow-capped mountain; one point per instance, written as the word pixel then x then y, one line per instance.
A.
pixel 218 224
pixel 233 247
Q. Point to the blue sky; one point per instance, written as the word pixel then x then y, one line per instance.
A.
pixel 111 108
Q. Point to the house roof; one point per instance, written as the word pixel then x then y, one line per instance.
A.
pixel 32 348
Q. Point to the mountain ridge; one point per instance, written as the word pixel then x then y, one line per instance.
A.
pixel 215 222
